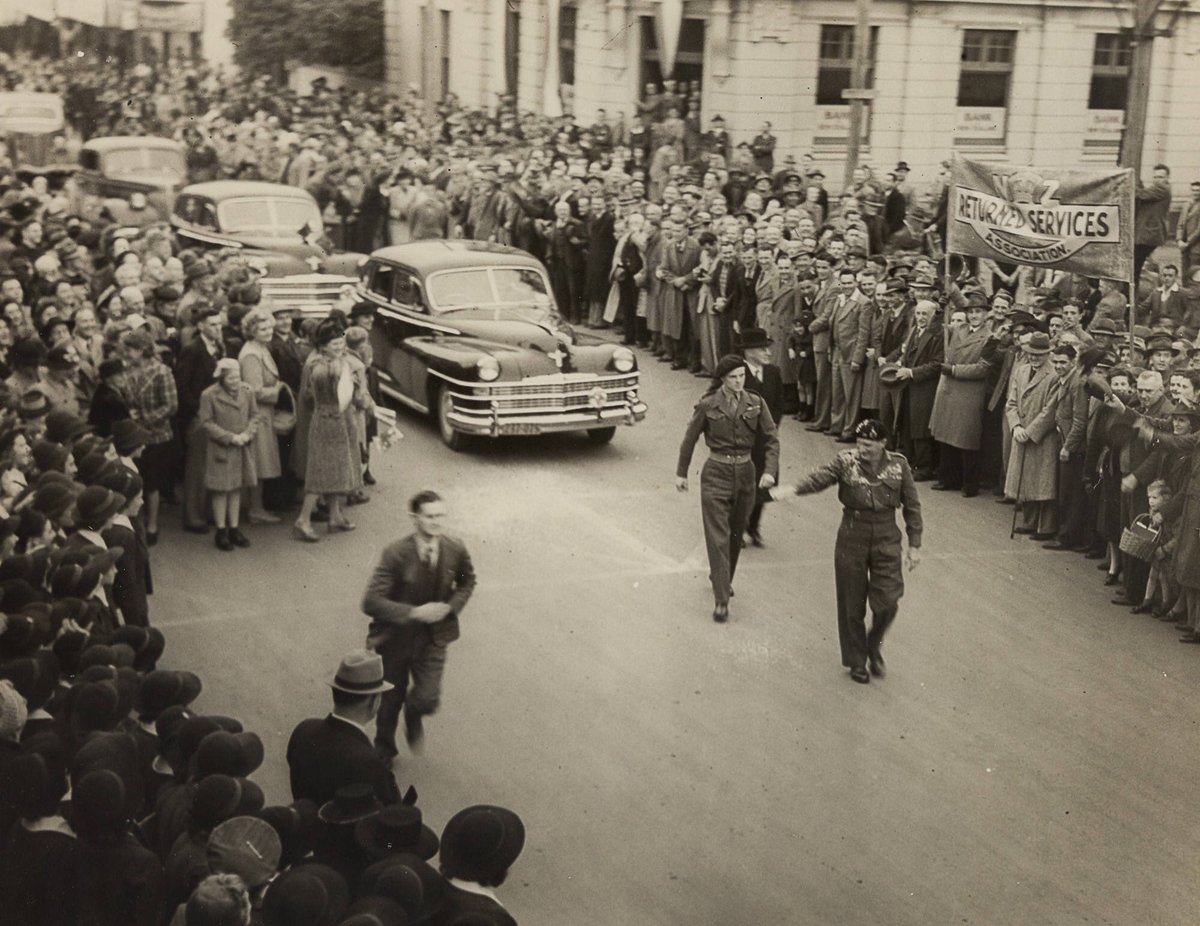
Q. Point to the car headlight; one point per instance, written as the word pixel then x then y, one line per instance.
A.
pixel 137 200
pixel 487 369
pixel 622 360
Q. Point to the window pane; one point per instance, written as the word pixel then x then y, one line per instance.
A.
pixel 830 84
pixel 983 89
pixel 1108 92
pixel 691 37
pixel 837 43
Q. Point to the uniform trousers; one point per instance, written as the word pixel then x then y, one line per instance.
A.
pixel 419 661
pixel 195 495
pixel 823 411
pixel 866 569
pixel 726 497
pixel 846 395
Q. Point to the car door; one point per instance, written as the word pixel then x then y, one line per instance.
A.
pixel 409 360
pixel 86 184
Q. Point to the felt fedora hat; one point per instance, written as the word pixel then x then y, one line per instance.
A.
pixel 360 672
pixel 754 337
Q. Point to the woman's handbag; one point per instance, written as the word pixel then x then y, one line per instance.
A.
pixel 1139 539
pixel 283 415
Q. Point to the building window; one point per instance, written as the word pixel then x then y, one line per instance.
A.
pixel 444 49
pixel 512 49
pixel 987 63
pixel 689 56
pixel 568 16
pixel 835 69
pixel 1110 72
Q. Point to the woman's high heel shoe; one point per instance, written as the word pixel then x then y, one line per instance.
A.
pixel 342 525
pixel 302 531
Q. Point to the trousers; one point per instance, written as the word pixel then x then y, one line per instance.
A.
pixel 195 496
pixel 726 497
pixel 1072 502
pixel 847 393
pixel 416 670
pixel 821 416
pixel 866 569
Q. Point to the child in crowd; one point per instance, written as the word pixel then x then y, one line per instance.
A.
pixel 1160 589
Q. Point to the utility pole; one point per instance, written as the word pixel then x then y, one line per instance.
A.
pixel 1145 12
pixel 858 94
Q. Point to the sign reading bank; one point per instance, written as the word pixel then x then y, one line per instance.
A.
pixel 1077 221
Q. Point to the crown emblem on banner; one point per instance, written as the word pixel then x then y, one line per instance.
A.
pixel 1026 186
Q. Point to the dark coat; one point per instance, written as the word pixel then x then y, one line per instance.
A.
pixel 600 246
pixel 38 883
pixel 107 407
pixel 289 360
pixel 193 374
pixel 457 902
pixel 120 883
pixel 325 754
pixel 133 582
pixel 894 206
pixel 923 355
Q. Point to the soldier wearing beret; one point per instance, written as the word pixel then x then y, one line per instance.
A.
pixel 732 420
pixel 872 483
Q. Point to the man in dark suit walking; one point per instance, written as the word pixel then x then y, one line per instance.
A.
pixel 920 370
pixel 414 597
pixel 325 754
pixel 765 379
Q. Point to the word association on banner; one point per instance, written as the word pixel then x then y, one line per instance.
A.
pixel 1080 221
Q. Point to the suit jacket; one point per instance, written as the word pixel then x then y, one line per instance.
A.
pixel 193 374
pixel 843 327
pixel 769 388
pixel 1169 306
pixel 389 597
pixel 923 355
pixel 823 305
pixel 325 754
pixel 1152 203
pixel 1071 413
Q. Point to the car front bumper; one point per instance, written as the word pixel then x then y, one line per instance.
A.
pixel 493 424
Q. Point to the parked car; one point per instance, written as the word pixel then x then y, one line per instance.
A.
pixel 130 179
pixel 468 332
pixel 32 127
pixel 279 224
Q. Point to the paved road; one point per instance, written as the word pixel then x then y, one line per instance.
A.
pixel 1031 757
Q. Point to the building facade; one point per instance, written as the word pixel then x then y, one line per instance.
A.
pixel 1021 81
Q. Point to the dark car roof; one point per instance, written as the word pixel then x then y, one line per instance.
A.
pixel 429 256
pixel 229 189
pixel 116 142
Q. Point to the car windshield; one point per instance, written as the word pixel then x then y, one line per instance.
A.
pixel 489 288
pixel 129 162
pixel 282 216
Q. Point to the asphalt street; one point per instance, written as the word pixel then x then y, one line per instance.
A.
pixel 1030 758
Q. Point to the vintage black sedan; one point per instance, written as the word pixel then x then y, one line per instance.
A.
pixel 468 332
pixel 129 179
pixel 279 225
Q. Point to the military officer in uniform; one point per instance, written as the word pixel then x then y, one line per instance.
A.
pixel 872 483
pixel 731 419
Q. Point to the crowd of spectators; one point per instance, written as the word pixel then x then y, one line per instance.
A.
pixel 137 372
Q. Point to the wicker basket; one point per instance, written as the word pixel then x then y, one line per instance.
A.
pixel 1139 539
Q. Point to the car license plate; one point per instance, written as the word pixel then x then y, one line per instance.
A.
pixel 521 429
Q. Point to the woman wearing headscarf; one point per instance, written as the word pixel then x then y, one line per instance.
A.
pixel 229 417
pixel 731 420
pixel 332 463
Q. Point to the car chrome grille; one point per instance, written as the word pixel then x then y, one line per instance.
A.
pixel 308 292
pixel 575 389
